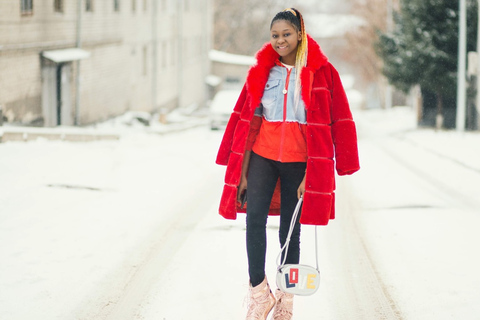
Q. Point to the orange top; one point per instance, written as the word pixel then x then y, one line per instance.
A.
pixel 279 132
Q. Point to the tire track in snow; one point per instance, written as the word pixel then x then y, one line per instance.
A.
pixel 367 295
pixel 165 247
pixel 401 137
pixel 436 178
pixel 124 293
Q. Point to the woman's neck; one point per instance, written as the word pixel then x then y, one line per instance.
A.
pixel 288 61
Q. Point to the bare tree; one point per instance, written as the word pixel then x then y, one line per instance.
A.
pixel 241 26
pixel 362 40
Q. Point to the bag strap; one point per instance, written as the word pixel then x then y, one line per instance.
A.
pixel 287 242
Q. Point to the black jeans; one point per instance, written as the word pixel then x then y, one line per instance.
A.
pixel 262 177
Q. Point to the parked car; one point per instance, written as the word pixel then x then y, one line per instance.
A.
pixel 221 107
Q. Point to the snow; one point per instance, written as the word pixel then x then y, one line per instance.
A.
pixel 59 244
pixel 65 55
pixel 224 101
pixel 128 229
pixel 213 80
pixel 225 57
pixel 420 213
pixel 355 97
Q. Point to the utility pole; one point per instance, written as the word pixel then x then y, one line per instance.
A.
pixel 180 53
pixel 207 40
pixel 478 68
pixel 77 76
pixel 461 80
pixel 388 91
pixel 154 54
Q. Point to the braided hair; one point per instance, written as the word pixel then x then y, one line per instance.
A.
pixel 295 18
pixel 289 15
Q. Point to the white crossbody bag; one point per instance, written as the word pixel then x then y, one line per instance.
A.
pixel 297 279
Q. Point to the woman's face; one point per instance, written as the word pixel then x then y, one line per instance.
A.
pixel 284 39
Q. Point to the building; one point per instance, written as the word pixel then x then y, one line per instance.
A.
pixel 79 62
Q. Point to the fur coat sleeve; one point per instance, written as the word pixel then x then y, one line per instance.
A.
pixel 226 144
pixel 331 144
pixel 344 133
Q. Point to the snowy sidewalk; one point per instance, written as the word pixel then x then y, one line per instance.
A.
pixel 112 129
pixel 400 122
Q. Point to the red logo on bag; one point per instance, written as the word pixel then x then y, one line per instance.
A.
pixel 293 276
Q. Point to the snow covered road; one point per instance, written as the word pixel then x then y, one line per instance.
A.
pixel 420 215
pixel 129 230
pixel 78 220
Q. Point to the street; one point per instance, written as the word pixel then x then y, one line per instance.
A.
pixel 129 229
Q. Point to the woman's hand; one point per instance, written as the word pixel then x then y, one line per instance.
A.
pixel 243 180
pixel 301 188
pixel 241 188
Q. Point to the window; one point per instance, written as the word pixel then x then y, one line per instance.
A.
pixel 134 5
pixel 173 47
pixel 185 48
pixel 26 7
pixel 58 5
pixel 164 54
pixel 89 5
pixel 145 57
pixel 116 5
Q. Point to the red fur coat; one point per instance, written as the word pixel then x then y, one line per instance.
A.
pixel 331 135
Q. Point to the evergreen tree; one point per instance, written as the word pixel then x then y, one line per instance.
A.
pixel 423 47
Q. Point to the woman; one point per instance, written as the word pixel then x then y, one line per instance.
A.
pixel 290 127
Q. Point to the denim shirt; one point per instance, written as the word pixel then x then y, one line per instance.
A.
pixel 272 104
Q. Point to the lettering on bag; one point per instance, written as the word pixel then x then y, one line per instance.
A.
pixel 294 275
pixel 293 278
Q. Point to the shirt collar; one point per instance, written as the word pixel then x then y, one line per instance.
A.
pixel 280 64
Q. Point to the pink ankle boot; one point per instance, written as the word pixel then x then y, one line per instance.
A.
pixel 284 307
pixel 261 301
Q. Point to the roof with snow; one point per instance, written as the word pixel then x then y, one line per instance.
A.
pixel 224 57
